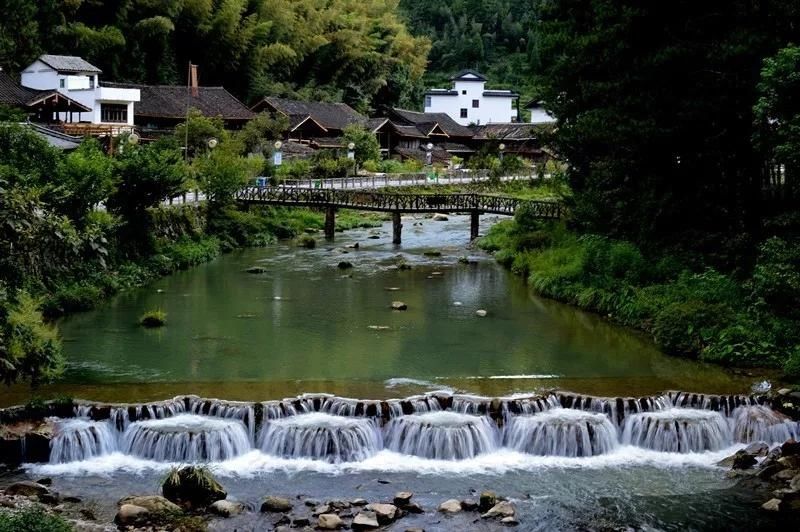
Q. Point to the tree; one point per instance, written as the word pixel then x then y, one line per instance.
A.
pixel 654 102
pixel 201 129
pixel 223 172
pixel 778 116
pixel 85 178
pixel 366 143
pixel 258 135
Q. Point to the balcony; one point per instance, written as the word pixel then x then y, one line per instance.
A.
pixel 113 94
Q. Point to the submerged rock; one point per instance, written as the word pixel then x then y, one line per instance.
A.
pixel 276 504
pixel 487 500
pixel 469 505
pixel 399 305
pixel 438 217
pixel 345 265
pixel 256 269
pixel 481 313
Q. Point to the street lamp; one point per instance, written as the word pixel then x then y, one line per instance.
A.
pixel 212 143
pixel 277 157
pixel 133 139
pixel 502 148
pixel 429 155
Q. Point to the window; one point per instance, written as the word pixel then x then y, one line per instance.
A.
pixel 91 82
pixel 427 101
pixel 464 91
pixel 476 104
pixel 62 83
pixel 114 112
pixel 463 113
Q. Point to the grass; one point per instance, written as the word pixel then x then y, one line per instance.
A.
pixel 33 519
pixel 153 318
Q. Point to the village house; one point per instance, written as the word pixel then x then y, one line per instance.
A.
pixel 520 139
pixel 539 114
pixel 469 102
pixel 317 124
pixel 165 106
pixel 109 107
pixel 406 135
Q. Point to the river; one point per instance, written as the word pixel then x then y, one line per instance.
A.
pixel 305 325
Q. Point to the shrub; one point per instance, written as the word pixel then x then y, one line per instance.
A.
pixel 153 318
pixel 791 367
pixel 741 344
pixel 776 276
pixel 32 519
pixel 307 241
pixel 78 297
pixel 32 349
pixel 685 328
pixel 186 252
pixel 554 269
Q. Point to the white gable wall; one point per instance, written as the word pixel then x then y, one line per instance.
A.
pixel 491 109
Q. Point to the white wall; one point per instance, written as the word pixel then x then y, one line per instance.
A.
pixel 491 109
pixel 540 116
pixel 84 88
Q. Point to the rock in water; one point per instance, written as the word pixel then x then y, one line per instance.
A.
pixel 402 498
pixel 509 521
pixel 131 515
pixel 451 506
pixel 399 305
pixel 772 505
pixel 226 508
pixel 481 313
pixel 438 217
pixel 155 504
pixel 193 486
pixel 385 513
pixel 501 509
pixel 256 269
pixel 276 504
pixel 345 265
pixel 329 522
pixel 487 501
pixel 365 521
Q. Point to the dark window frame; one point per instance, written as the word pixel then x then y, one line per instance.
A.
pixel 464 112
pixel 114 113
pixel 476 104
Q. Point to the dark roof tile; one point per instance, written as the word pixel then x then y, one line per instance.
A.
pixel 170 101
pixel 68 63
pixel 329 115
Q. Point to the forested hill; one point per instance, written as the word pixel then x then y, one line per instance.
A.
pixel 358 51
pixel 495 37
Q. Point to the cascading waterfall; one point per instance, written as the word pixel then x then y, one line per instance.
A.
pixel 79 439
pixel 186 438
pixel 121 417
pixel 677 430
pixel 561 432
pixel 760 423
pixel 321 436
pixel 245 412
pixel 441 435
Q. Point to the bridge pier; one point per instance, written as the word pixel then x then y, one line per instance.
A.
pixel 330 222
pixel 397 228
pixel 474 224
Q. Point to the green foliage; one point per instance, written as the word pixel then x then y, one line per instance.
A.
pixel 776 276
pixel 306 241
pixel 29 348
pixel 153 318
pixel 685 328
pixel 12 114
pixel 77 297
pixel 294 169
pixel 261 132
pixel 366 143
pixel 200 129
pixel 26 159
pixel 32 519
pixel 186 252
pixel 791 367
pixel 327 166
pixel 223 172
pixel 85 178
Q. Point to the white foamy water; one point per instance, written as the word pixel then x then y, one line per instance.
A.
pixel 680 430
pixel 561 432
pixel 760 423
pixel 80 439
pixel 321 437
pixel 441 435
pixel 186 438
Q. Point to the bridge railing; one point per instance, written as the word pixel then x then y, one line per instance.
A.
pixel 389 202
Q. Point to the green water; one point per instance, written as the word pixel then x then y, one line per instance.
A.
pixel 307 326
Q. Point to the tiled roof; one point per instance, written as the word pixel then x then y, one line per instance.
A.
pixel 329 115
pixel 501 93
pixel 374 124
pixel 68 63
pixel 57 139
pixel 513 131
pixel 448 125
pixel 171 101
pixel 15 95
pixel 467 72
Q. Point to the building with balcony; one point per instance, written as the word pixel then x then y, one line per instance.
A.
pixel 79 81
pixel 469 102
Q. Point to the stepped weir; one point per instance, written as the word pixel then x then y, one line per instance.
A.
pixel 434 426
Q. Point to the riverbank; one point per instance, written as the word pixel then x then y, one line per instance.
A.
pixel 690 310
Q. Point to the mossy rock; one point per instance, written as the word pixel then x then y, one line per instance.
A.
pixel 345 265
pixel 193 487
pixel 306 241
pixel 153 318
pixel 256 269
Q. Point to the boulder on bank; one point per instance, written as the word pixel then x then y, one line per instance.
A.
pixel 402 498
pixel 452 506
pixel 365 521
pixel 329 522
pixel 276 505
pixel 192 486
pixel 501 509
pixel 155 504
pixel 27 488
pixel 385 513
pixel 487 500
pixel 131 515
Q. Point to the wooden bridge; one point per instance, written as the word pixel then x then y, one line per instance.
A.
pixel 331 200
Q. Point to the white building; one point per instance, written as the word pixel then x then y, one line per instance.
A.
pixel 79 80
pixel 468 102
pixel 539 114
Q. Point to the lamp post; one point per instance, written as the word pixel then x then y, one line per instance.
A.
pixel 212 143
pixel 429 154
pixel 502 148
pixel 351 154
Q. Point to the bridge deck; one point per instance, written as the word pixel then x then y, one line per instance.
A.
pixel 386 202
